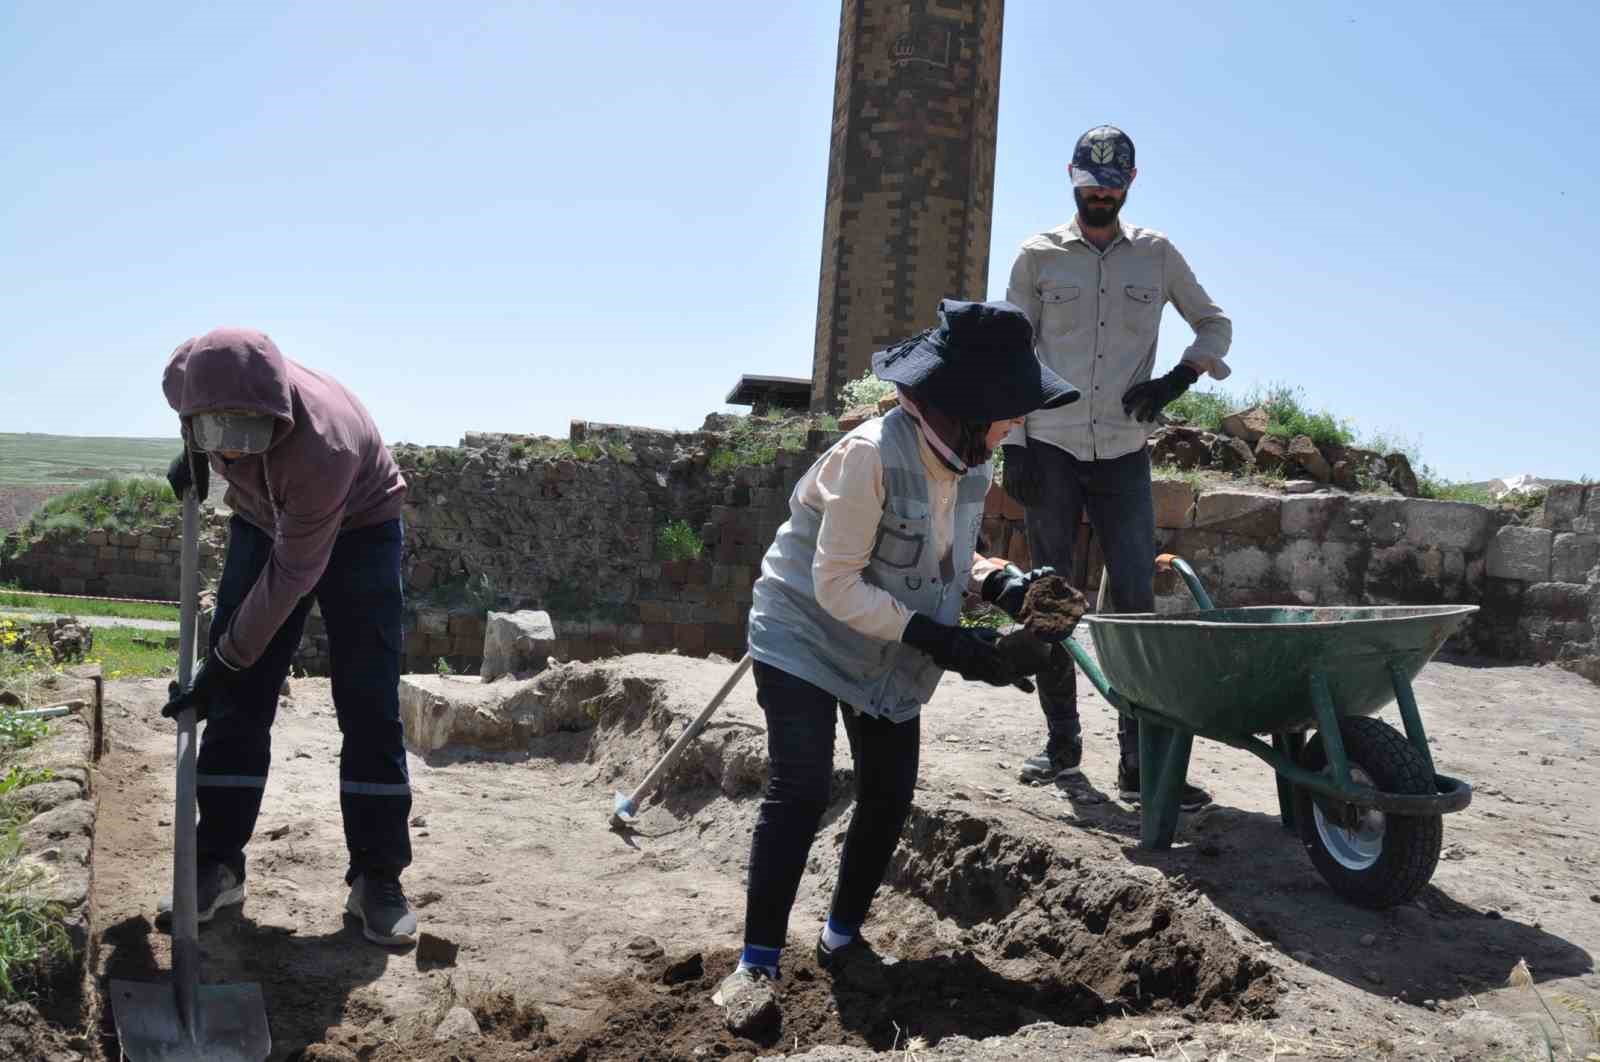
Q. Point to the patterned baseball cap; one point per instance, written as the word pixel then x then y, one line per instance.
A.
pixel 1103 158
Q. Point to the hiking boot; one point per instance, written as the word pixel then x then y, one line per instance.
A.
pixel 1059 758
pixel 1193 798
pixel 857 964
pixel 386 917
pixel 216 886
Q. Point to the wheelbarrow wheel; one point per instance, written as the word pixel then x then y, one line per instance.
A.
pixel 1368 857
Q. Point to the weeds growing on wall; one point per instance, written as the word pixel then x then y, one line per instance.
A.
pixel 475 594
pixel 756 440
pixel 109 505
pixel 678 541
pixel 864 390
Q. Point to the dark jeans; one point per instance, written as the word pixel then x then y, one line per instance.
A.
pixel 800 756
pixel 360 597
pixel 1116 494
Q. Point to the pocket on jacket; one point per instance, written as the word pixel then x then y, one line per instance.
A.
pixel 900 541
pixel 1141 309
pixel 1058 312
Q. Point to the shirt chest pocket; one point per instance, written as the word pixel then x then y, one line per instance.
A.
pixel 1141 309
pixel 1058 311
pixel 901 541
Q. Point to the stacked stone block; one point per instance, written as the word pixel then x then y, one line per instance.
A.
pixel 105 563
pixel 910 175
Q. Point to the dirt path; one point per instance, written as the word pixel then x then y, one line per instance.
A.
pixel 1012 905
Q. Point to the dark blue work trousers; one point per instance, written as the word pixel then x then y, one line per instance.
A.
pixel 360 596
pixel 800 729
pixel 1117 496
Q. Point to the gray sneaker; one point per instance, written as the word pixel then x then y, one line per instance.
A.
pixel 750 1006
pixel 1060 759
pixel 380 903
pixel 216 886
pixel 742 981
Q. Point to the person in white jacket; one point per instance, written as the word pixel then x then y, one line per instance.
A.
pixel 857 610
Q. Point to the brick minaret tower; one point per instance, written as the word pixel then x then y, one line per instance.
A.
pixel 910 175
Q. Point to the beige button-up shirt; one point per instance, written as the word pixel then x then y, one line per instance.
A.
pixel 1096 317
pixel 846 486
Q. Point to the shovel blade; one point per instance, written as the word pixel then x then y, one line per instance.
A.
pixel 230 1023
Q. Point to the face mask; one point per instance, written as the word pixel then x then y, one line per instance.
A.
pixel 246 433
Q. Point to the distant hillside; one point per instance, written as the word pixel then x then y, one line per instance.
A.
pixel 28 460
pixel 35 468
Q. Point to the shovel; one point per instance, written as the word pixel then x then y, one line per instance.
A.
pixel 187 1021
pixel 626 806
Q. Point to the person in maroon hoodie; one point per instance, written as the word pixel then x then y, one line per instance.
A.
pixel 316 498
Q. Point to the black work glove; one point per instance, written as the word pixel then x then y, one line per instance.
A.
pixel 1020 477
pixel 1143 401
pixel 968 651
pixel 212 685
pixel 1006 587
pixel 181 474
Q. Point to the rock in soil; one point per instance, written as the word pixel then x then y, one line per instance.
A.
pixel 436 949
pixel 645 949
pixel 754 1014
pixel 327 1053
pixel 687 968
pixel 458 1024
pixel 1052 608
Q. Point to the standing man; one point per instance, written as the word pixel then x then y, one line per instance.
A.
pixel 1094 290
pixel 316 497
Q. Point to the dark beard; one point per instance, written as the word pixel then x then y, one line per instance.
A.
pixel 1097 216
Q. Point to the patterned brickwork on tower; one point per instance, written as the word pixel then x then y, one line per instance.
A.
pixel 910 175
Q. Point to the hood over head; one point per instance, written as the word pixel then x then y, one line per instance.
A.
pixel 233 369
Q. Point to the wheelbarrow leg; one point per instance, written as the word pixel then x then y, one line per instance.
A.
pixel 1163 769
pixel 1287 746
pixel 1410 716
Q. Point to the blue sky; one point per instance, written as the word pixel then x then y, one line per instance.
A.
pixel 502 217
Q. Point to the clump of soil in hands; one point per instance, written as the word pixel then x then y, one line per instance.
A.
pixel 1051 608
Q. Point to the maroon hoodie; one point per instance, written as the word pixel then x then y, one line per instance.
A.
pixel 326 471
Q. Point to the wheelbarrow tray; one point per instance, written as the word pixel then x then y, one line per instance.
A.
pixel 1233 672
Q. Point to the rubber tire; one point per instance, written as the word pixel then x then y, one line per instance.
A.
pixel 1411 843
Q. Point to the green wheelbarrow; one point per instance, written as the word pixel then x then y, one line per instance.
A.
pixel 1363 796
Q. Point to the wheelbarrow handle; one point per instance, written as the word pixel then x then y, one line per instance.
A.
pixel 1171 562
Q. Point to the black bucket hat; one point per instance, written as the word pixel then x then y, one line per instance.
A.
pixel 978 364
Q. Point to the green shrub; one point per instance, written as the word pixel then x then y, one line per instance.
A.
pixel 110 505
pixel 1288 417
pixel 865 390
pixel 1201 409
pixel 678 541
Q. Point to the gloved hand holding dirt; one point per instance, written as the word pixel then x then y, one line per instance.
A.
pixel 1050 612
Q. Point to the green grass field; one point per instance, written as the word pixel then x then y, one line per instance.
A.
pixel 127 652
pixel 79 606
pixel 30 459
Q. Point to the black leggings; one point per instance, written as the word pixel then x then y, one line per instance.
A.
pixel 800 755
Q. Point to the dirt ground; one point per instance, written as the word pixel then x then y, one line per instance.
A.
pixel 1028 921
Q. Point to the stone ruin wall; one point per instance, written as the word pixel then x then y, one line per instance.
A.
pixel 576 537
pixel 103 563
pixel 1537 582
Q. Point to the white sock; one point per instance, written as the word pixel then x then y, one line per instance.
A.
pixel 832 940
